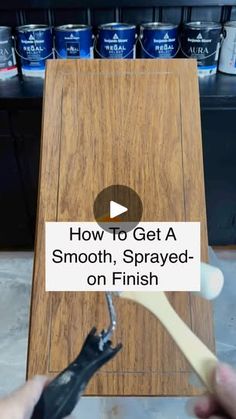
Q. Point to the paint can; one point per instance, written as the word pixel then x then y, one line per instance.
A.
pixel 201 40
pixel 8 67
pixel 116 40
pixel 158 40
pixel 34 47
pixel 227 63
pixel 74 41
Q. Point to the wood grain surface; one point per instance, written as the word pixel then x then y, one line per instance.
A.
pixel 131 122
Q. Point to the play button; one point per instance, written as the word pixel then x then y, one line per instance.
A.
pixel 119 206
pixel 116 209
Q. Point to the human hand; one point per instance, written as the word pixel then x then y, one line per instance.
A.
pixel 20 404
pixel 222 403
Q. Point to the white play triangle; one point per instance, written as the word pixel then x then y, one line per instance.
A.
pixel 116 209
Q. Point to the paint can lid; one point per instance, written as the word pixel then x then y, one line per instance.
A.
pixel 113 26
pixel 202 25
pixel 72 27
pixel 231 23
pixel 158 25
pixel 5 31
pixel 29 28
pixel 5 27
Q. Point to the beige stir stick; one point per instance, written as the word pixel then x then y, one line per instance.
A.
pixel 195 351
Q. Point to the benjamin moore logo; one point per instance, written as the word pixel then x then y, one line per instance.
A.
pixel 165 40
pixel 72 37
pixel 199 38
pixel 115 40
pixel 32 40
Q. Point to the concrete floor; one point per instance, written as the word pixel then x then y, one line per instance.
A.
pixel 15 287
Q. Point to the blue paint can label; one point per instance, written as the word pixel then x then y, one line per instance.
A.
pixel 158 40
pixel 8 66
pixel 74 41
pixel 201 40
pixel 34 47
pixel 116 40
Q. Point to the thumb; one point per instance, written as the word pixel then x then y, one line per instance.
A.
pixel 224 384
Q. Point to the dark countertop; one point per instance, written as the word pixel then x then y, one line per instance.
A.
pixel 215 91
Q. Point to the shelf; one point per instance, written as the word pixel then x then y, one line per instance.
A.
pixel 16 90
pixel 215 91
pixel 218 91
pixel 37 4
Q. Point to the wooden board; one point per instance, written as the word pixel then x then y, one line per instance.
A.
pixel 131 122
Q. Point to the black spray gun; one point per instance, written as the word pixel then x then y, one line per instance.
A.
pixel 62 394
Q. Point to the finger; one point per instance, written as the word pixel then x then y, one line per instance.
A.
pixel 28 395
pixel 205 406
pixel 224 383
